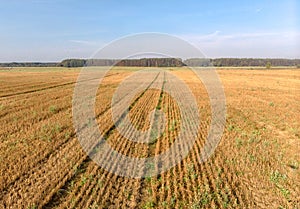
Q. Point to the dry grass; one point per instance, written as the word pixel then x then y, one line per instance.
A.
pixel 256 164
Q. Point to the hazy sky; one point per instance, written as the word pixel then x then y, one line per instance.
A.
pixel 51 30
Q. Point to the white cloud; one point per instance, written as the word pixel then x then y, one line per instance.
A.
pixel 83 42
pixel 283 44
pixel 258 10
pixel 256 44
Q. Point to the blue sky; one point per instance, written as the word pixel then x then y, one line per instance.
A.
pixel 51 30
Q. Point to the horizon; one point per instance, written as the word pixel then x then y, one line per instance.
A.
pixel 51 31
pixel 254 58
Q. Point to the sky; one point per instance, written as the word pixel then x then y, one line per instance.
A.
pixel 53 30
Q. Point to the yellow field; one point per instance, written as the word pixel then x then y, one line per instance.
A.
pixel 256 165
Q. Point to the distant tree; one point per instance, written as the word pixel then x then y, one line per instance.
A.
pixel 268 65
pixel 298 66
pixel 73 63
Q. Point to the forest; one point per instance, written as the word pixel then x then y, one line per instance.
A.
pixel 162 62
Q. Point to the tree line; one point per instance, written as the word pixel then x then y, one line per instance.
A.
pixel 29 64
pixel 176 62
pixel 144 62
pixel 161 62
pixel 241 62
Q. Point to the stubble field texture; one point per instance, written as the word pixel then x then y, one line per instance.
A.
pixel 256 164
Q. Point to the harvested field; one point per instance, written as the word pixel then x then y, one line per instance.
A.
pixel 256 165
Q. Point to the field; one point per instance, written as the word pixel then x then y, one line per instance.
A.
pixel 256 164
